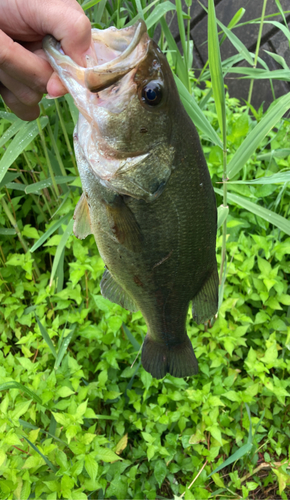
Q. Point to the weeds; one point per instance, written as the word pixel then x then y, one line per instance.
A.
pixel 78 419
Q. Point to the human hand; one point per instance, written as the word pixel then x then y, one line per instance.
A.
pixel 25 74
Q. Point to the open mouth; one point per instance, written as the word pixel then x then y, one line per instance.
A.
pixel 115 53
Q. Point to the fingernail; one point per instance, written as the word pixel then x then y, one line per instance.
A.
pixel 48 96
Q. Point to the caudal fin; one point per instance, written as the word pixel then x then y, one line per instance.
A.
pixel 178 360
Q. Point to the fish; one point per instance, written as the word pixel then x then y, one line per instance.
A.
pixel 147 194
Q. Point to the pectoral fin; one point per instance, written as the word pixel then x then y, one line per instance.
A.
pixel 82 225
pixel 123 224
pixel 112 291
pixel 205 303
pixel 146 178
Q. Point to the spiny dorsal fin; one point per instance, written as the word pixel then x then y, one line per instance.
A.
pixel 124 224
pixel 82 225
pixel 112 291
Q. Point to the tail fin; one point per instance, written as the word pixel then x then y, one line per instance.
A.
pixel 159 359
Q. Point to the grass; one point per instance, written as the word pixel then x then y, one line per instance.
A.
pixel 78 419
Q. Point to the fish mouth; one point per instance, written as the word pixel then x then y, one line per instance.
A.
pixel 114 54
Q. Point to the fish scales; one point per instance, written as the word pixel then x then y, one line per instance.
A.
pixel 154 217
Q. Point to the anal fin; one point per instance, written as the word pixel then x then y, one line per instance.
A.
pixel 112 291
pixel 205 303
pixel 82 225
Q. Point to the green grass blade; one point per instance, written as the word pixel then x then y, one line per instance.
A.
pixel 159 11
pixel 180 67
pixel 279 59
pixel 275 219
pixel 63 348
pixel 45 183
pixel 48 462
pixel 216 68
pixel 222 215
pixel 21 140
pixel 11 131
pixel 10 117
pixel 72 107
pixel 261 74
pixel 275 153
pixel 181 30
pixel 7 386
pixel 88 4
pixel 46 337
pixel 48 233
pixel 9 177
pixel 196 114
pixel 278 178
pixel 241 48
pixel 281 12
pixel 250 436
pixel 132 339
pixel 7 231
pixel 233 458
pixel 60 248
pixel 255 137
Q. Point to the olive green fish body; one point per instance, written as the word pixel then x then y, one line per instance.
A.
pixel 147 197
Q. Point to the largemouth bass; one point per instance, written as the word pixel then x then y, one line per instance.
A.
pixel 147 194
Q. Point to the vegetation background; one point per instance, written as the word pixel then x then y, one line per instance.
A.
pixel 79 420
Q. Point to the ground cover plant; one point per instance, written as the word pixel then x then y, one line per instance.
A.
pixel 79 416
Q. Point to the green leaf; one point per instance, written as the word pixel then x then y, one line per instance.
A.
pixel 21 408
pixel 160 471
pixel 222 215
pixel 275 219
pixel 91 466
pixel 107 455
pixel 60 248
pixel 196 114
pixel 46 337
pixel 250 144
pixel 215 67
pixel 21 140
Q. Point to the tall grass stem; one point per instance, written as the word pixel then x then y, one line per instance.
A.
pixel 257 49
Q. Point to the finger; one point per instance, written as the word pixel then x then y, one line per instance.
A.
pixel 65 20
pixel 24 112
pixel 22 65
pixel 55 87
pixel 22 92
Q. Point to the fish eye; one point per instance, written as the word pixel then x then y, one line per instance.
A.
pixel 152 93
